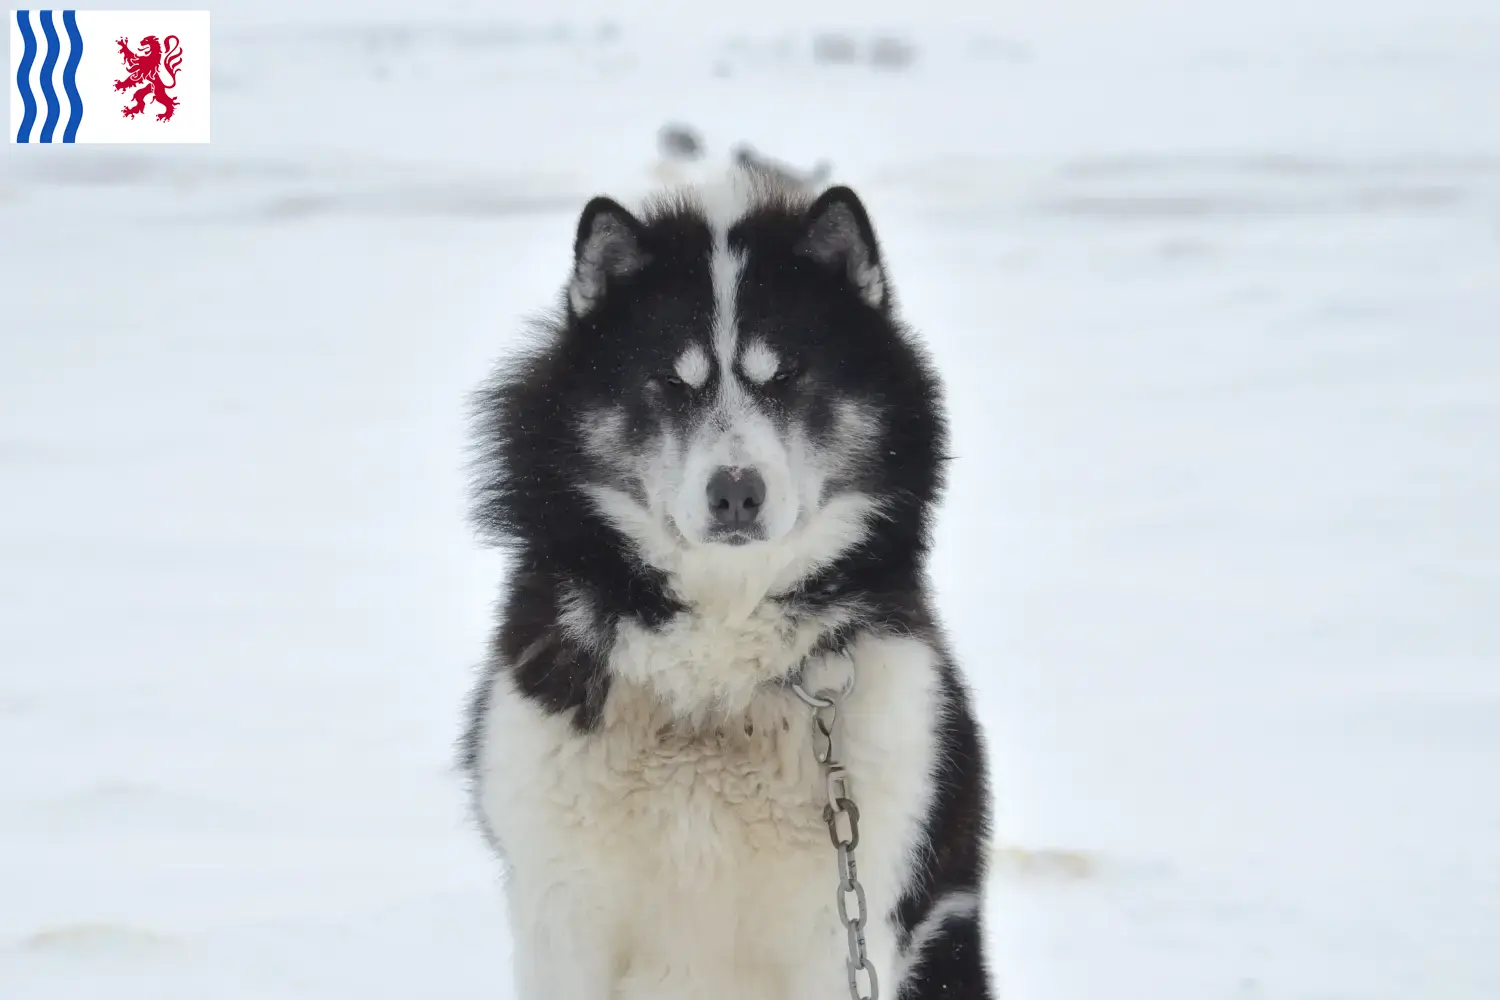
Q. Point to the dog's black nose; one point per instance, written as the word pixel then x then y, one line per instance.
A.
pixel 735 496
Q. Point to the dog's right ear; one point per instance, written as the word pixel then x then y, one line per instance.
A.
pixel 839 236
pixel 607 249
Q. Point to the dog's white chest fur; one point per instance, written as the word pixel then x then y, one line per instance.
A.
pixel 728 866
pixel 704 791
pixel 671 855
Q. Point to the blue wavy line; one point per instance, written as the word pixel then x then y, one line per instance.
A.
pixel 70 74
pixel 49 93
pixel 23 75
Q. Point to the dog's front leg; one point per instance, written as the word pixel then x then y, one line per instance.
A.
pixel 564 942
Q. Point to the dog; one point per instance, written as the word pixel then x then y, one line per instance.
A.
pixel 717 675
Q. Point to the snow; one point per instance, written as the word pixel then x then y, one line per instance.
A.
pixel 1215 288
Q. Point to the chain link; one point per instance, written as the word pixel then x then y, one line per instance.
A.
pixel 842 817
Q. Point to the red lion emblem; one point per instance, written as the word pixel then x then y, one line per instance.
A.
pixel 154 69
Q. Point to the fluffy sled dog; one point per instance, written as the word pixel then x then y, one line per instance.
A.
pixel 715 471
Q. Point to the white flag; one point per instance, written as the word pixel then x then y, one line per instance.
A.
pixel 109 76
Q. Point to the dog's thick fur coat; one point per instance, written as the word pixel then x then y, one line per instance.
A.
pixel 636 755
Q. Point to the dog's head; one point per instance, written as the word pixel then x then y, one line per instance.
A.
pixel 729 389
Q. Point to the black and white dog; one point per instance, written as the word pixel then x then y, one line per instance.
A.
pixel 715 471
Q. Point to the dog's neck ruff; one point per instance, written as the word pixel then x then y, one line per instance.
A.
pixel 706 665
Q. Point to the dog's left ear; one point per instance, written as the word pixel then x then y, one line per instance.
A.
pixel 839 236
pixel 606 250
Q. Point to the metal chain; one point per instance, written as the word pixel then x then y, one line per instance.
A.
pixel 842 817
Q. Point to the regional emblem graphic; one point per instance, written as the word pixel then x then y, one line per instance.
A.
pixel 152 69
pixel 104 75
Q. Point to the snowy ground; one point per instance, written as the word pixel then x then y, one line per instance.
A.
pixel 1217 291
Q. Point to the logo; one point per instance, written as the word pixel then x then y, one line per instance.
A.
pixel 146 67
pixel 69 68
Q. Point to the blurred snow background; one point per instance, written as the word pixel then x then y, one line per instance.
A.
pixel 1216 289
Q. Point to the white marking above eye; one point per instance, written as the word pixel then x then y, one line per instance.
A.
pixel 759 362
pixel 693 366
